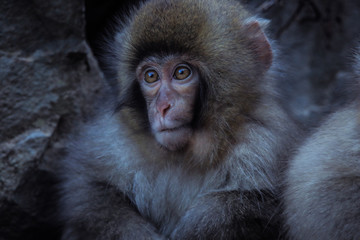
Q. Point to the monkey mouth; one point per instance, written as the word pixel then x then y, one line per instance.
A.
pixel 172 129
pixel 174 138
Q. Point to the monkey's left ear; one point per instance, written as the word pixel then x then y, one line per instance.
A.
pixel 259 41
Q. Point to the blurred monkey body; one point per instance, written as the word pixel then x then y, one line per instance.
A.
pixel 323 181
pixel 194 146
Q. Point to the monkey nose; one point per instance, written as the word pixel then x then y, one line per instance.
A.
pixel 164 108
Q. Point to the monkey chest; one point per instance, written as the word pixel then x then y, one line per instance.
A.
pixel 164 196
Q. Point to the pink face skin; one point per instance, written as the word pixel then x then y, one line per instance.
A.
pixel 169 86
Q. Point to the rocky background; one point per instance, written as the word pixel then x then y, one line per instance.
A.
pixel 50 77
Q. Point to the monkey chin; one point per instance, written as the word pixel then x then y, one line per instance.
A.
pixel 174 139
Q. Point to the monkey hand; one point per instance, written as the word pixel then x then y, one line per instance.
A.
pixel 229 215
pixel 135 231
pixel 209 218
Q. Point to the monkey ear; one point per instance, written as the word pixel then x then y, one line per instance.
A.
pixel 260 42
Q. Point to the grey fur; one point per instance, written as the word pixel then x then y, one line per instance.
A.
pixel 117 183
pixel 120 183
pixel 323 182
pixel 322 194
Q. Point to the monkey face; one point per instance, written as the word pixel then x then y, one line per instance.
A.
pixel 169 86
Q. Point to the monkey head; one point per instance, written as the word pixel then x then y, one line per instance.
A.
pixel 191 69
pixel 169 86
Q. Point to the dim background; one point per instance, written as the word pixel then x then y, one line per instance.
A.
pixel 51 77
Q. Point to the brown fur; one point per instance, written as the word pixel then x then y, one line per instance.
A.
pixel 222 32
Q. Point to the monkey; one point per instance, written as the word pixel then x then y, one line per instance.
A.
pixel 192 146
pixel 322 188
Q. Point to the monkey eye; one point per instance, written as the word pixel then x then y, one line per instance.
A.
pixel 182 73
pixel 151 76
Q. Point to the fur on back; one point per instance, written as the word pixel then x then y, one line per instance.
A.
pixel 323 182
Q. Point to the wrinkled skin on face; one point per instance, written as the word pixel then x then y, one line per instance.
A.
pixel 170 86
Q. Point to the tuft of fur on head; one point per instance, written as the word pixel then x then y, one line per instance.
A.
pixel 221 38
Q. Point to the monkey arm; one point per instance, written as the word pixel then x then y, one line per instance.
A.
pixel 228 215
pixel 99 211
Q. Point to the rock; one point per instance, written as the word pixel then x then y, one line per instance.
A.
pixel 49 77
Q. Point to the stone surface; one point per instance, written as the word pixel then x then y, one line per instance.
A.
pixel 317 39
pixel 48 78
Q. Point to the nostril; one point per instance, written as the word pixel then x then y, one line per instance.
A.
pixel 163 109
pixel 166 109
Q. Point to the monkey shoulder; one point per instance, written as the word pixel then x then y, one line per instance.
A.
pixel 334 147
pixel 263 145
pixel 101 149
pixel 323 180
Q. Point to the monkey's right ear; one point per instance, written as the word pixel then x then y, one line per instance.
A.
pixel 259 41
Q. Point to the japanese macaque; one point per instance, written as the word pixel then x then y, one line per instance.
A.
pixel 194 146
pixel 322 197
